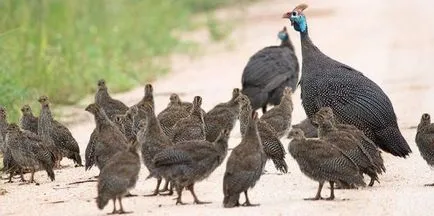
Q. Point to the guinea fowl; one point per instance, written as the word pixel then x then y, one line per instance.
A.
pixel 244 166
pixel 371 149
pixel 105 141
pixel 172 114
pixel 9 164
pixel 28 121
pixel 222 116
pixel 152 140
pixel 279 117
pixel 321 161
pixel 354 98
pixel 351 146
pixel 111 106
pixel 425 140
pixel 148 98
pixel 191 127
pixel 29 151
pixel 60 134
pixel 118 176
pixel 3 127
pixel 125 123
pixel 189 162
pixel 269 71
pixel 273 148
pixel 310 131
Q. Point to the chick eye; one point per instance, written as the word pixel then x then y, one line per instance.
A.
pixel 294 13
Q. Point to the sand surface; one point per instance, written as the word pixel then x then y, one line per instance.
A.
pixel 390 41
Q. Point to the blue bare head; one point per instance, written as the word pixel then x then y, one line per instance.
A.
pixel 297 18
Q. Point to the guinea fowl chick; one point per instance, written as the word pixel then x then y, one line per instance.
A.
pixel 9 164
pixel 425 140
pixel 369 146
pixel 118 176
pixel 190 162
pixel 222 116
pixel 29 151
pixel 105 141
pixel 244 166
pixel 28 121
pixel 321 162
pixel 310 131
pixel 138 114
pixel 60 134
pixel 191 127
pixel 111 106
pixel 273 148
pixel 172 114
pixel 328 132
pixel 3 127
pixel 125 123
pixel 279 117
pixel 152 140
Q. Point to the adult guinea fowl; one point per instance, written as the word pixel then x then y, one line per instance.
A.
pixel 354 98
pixel 269 71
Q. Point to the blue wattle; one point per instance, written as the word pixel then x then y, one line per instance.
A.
pixel 300 24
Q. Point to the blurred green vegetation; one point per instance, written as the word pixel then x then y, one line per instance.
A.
pixel 62 47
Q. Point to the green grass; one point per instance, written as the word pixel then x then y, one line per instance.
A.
pixel 62 47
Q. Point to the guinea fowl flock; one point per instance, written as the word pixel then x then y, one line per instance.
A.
pixel 349 121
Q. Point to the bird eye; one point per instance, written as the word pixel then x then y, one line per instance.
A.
pixel 294 13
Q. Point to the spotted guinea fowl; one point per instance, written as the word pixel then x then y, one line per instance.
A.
pixel 370 147
pixel 425 140
pixel 29 151
pixel 190 162
pixel 191 127
pixel 222 116
pixel 309 130
pixel 3 127
pixel 118 176
pixel 269 71
pixel 279 117
pixel 28 121
pixel 9 164
pixel 273 148
pixel 152 140
pixel 59 133
pixel 244 166
pixel 345 141
pixel 172 114
pixel 105 141
pixel 321 161
pixel 148 98
pixel 125 123
pixel 103 99
pixel 354 98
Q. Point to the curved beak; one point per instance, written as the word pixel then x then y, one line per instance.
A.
pixel 285 16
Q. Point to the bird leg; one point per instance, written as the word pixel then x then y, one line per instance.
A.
pixel 332 190
pixel 22 176
pixel 371 183
pixel 32 180
pixel 247 203
pixel 318 193
pixel 121 208
pixel 166 186
pixel 170 193
pixel 196 200
pixel 179 192
pixel 429 185
pixel 156 189
pixel 264 109
pixel 114 207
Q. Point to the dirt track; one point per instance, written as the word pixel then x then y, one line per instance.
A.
pixel 389 41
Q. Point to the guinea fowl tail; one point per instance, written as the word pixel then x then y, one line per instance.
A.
pixel 391 140
pixel 280 165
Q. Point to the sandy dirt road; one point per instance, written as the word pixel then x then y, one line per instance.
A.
pixel 390 41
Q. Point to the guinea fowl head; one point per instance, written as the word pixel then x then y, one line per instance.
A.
pixel 283 35
pixel 326 113
pixel 13 128
pixel 174 99
pixel 149 90
pixel 93 108
pixel 26 110
pixel 426 119
pixel 297 18
pixel 43 100
pixel 243 100
pixel 197 102
pixel 101 85
pixel 296 133
pixel 235 93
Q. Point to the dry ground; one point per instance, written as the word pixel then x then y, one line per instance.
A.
pixel 391 41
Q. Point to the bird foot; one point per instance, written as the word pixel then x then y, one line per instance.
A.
pixel 151 195
pixel 178 201
pixel 198 202
pixel 429 185
pixel 330 198
pixel 248 204
pixel 10 181
pixel 78 165
pixel 170 193
pixel 124 212
pixel 314 198
pixel 130 195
